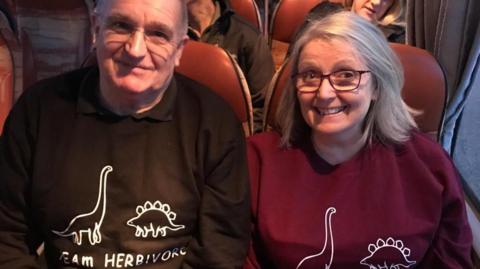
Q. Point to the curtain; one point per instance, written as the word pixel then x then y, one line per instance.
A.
pixel 448 29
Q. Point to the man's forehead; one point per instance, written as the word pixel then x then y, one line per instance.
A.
pixel 163 12
pixel 138 7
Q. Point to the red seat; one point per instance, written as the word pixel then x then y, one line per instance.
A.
pixel 424 89
pixel 8 47
pixel 55 34
pixel 215 68
pixel 248 9
pixel 288 16
pixel 286 19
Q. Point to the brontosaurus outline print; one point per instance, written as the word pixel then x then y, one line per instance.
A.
pixel 94 234
pixel 328 239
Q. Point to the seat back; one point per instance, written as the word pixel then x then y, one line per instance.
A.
pixel 288 16
pixel 57 32
pixel 8 46
pixel 273 95
pixel 248 9
pixel 215 68
pixel 424 89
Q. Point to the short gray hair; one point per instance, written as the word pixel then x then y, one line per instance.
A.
pixel 388 119
pixel 182 23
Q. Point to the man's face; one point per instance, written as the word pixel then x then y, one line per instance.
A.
pixel 139 42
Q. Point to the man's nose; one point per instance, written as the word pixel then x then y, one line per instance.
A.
pixel 136 45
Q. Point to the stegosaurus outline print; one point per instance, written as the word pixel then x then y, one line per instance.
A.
pixel 145 228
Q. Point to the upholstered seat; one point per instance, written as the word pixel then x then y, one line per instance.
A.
pixel 55 34
pixel 286 19
pixel 248 9
pixel 10 67
pixel 215 68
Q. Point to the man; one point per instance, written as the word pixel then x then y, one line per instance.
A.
pixel 125 164
pixel 214 22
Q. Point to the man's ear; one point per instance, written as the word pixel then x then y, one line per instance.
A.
pixel 180 46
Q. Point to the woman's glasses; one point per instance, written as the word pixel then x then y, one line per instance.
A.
pixel 342 80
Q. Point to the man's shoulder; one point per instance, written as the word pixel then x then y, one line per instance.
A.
pixel 205 98
pixel 239 25
pixel 64 87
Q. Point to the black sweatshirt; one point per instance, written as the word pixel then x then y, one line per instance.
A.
pixel 165 189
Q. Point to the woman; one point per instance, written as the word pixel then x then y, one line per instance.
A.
pixel 388 15
pixel 349 182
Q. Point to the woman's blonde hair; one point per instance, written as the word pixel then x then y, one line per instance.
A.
pixel 395 15
pixel 388 119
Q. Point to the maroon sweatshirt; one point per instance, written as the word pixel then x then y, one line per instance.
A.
pixel 387 207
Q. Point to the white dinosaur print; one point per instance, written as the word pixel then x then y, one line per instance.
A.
pixel 154 219
pixel 328 248
pixel 392 246
pixel 76 227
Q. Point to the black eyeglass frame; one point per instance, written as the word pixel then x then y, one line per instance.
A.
pixel 327 76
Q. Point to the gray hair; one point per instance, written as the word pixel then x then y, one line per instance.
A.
pixel 182 23
pixel 388 119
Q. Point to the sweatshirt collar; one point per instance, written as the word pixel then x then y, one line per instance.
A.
pixel 89 101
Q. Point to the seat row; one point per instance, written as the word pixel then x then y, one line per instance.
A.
pixel 67 35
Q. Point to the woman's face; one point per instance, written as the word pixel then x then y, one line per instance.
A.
pixel 331 113
pixel 372 10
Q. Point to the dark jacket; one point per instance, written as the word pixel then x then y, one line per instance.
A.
pixel 246 44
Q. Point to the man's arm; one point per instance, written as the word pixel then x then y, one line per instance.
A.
pixel 260 70
pixel 223 230
pixel 18 241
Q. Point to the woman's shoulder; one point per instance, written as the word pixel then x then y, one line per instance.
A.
pixel 424 144
pixel 423 148
pixel 270 139
pixel 267 144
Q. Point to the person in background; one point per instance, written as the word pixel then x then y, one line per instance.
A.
pixel 348 181
pixel 214 22
pixel 125 164
pixel 388 15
